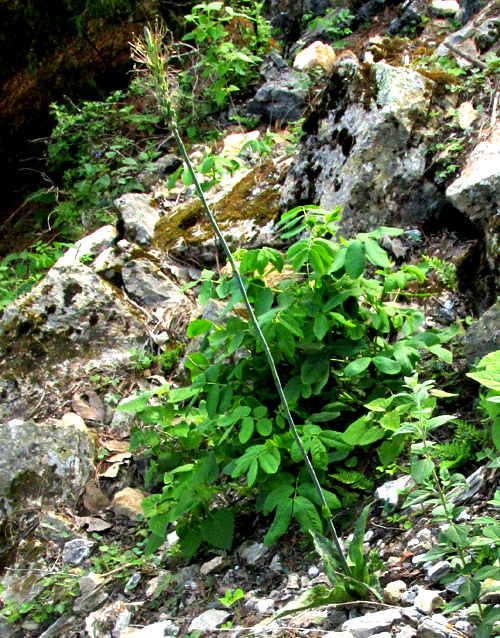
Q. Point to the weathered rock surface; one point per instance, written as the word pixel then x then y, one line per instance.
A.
pixel 149 287
pixel 283 96
pixel 361 152
pixel 48 462
pixel 246 209
pixel 71 323
pixel 483 336
pixel 371 624
pixel 138 214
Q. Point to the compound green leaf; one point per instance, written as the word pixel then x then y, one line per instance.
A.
pixel 264 427
pixel 269 460
pixel 321 326
pixel 277 496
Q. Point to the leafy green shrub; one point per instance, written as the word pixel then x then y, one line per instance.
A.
pixel 229 45
pixel 94 154
pixel 339 341
pixel 19 272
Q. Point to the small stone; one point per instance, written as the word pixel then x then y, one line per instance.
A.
pixel 454 586
pixel 369 624
pixel 275 564
pixel 390 492
pixel 293 581
pixel 264 606
pixel 436 627
pixel 465 627
pixel 424 535
pixel 76 551
pixel 210 619
pixel 313 571
pixel 338 634
pixel 132 582
pixel 428 600
pixel 171 539
pixel 304 582
pixel 213 566
pixel 127 502
pixel 445 7
pixel 437 571
pixel 467 115
pixel 88 583
pixel 253 553
pixel 406 632
pixel 394 589
pixel 156 630
pixel 413 617
pixel 382 634
pixel 309 618
pixel 491 592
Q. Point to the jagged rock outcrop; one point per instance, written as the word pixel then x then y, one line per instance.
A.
pixel 48 462
pixel 361 150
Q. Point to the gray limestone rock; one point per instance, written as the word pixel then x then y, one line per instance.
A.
pixel 361 153
pixel 476 192
pixel 283 97
pixel 76 551
pixel 48 462
pixel 370 624
pixel 139 217
pixel 156 630
pixel 71 323
pixel 390 491
pixel 483 336
pixel 146 284
pixel 210 619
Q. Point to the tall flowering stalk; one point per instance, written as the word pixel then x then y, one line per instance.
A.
pixel 153 56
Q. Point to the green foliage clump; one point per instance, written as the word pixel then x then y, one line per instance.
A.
pixel 228 45
pixel 19 272
pixel 94 154
pixel 339 340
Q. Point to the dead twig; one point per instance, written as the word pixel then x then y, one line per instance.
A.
pixel 466 56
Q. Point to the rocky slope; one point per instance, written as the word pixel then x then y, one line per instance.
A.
pixel 70 490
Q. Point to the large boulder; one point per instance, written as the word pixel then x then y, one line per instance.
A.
pixel 70 326
pixel 476 193
pixel 48 462
pixel 361 150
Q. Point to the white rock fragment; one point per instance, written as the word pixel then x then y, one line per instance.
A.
pixel 264 606
pixel 444 7
pixel 210 619
pixel 212 566
pixel 127 502
pixel 156 630
pixel 76 551
pixel 253 553
pixel 316 54
pixel 370 624
pixel 394 589
pixel 391 490
pixel 428 600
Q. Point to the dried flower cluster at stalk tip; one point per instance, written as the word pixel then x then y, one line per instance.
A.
pixel 153 56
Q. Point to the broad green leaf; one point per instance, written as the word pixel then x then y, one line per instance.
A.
pixel 277 496
pixel 356 556
pixel 292 390
pixel 390 450
pixel 458 534
pixel 280 523
pixel 355 432
pixel 218 529
pixel 246 429
pixel 213 395
pixel 318 454
pixel 263 300
pixel 386 365
pixel 314 368
pixel 306 514
pixel 469 590
pixel 357 366
pixel 321 326
pixel 376 254
pixel 421 469
pixel 355 260
pixel 264 427
pixel 153 543
pixel 198 327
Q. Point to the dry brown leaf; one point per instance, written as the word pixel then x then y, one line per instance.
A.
pixel 113 445
pixel 94 499
pixel 88 406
